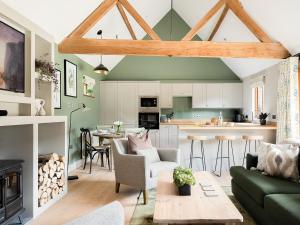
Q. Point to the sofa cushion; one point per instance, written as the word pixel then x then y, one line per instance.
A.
pixel 150 154
pixel 156 168
pixel 258 185
pixel 283 208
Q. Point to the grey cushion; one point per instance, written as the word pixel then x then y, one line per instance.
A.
pixel 156 168
pixel 111 214
pixel 150 154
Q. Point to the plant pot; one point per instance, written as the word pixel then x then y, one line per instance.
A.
pixel 263 122
pixel 184 190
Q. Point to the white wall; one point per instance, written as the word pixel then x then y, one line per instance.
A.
pixel 270 97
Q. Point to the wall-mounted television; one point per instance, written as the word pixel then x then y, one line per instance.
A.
pixel 12 59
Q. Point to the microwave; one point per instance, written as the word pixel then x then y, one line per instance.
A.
pixel 149 104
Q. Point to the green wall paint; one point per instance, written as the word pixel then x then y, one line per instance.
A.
pixel 182 108
pixel 80 118
pixel 171 68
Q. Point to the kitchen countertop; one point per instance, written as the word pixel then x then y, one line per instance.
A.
pixel 200 125
pixel 235 127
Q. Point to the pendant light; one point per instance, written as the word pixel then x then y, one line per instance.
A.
pixel 101 69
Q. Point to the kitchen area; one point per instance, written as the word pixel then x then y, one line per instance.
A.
pixel 172 111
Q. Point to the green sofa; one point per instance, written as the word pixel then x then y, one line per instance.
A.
pixel 269 200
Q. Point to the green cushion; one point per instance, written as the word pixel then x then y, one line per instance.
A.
pixel 283 208
pixel 258 185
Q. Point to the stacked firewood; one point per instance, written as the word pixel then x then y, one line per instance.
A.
pixel 51 177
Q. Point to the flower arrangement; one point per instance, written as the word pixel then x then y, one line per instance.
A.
pixel 183 179
pixel 118 125
pixel 46 71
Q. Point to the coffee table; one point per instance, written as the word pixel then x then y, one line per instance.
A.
pixel 197 208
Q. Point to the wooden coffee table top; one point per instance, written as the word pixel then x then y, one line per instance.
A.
pixel 195 209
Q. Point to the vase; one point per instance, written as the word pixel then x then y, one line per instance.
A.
pixel 263 122
pixel 118 129
pixel 184 190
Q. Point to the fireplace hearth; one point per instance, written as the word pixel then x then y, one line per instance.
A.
pixel 11 193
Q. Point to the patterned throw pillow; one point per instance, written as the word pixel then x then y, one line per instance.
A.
pixel 136 142
pixel 282 162
pixel 263 150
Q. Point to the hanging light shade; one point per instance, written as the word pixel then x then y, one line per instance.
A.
pixel 101 69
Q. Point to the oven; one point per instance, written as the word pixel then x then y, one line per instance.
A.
pixel 149 104
pixel 149 120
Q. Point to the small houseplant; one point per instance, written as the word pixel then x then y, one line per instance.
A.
pixel 118 125
pixel 262 118
pixel 46 71
pixel 183 179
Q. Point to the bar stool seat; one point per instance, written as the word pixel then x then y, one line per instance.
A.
pixel 225 138
pixel 221 139
pixel 248 139
pixel 252 138
pixel 201 139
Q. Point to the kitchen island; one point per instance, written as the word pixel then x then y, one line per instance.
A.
pixel 211 145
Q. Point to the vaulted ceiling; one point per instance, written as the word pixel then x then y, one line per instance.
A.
pixel 279 19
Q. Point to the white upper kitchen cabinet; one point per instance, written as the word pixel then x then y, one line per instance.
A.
pixel 182 90
pixel 128 103
pixel 214 95
pixel 199 96
pixel 150 88
pixel 108 102
pixel 166 96
pixel 232 95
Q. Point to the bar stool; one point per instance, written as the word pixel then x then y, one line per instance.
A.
pixel 221 140
pixel 201 139
pixel 248 139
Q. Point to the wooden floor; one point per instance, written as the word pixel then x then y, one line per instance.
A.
pixel 92 191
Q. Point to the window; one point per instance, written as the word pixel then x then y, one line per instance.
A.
pixel 257 100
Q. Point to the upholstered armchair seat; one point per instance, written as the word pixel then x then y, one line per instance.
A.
pixel 136 171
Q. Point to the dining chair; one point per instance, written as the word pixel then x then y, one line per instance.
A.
pixel 91 151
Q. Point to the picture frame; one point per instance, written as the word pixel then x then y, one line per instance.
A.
pixel 89 86
pixel 57 91
pixel 70 81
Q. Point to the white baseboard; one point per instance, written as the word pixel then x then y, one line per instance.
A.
pixel 75 165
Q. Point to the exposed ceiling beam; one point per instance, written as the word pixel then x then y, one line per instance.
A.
pixel 193 32
pixel 93 18
pixel 241 13
pixel 126 21
pixel 173 48
pixel 139 19
pixel 219 22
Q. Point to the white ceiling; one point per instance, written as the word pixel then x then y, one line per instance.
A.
pixel 278 18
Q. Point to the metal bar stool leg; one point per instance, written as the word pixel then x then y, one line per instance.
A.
pixel 255 145
pixel 228 153
pixel 245 153
pixel 192 154
pixel 221 159
pixel 203 156
pixel 232 153
pixel 217 156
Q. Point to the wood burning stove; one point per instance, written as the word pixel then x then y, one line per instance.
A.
pixel 11 193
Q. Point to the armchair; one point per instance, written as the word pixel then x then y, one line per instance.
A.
pixel 136 171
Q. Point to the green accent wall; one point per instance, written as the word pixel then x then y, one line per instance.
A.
pixel 88 119
pixel 182 108
pixel 171 68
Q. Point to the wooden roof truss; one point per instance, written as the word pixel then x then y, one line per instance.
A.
pixel 75 43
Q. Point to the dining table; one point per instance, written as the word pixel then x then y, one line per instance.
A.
pixel 107 136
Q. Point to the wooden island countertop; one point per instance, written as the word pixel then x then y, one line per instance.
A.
pixel 235 127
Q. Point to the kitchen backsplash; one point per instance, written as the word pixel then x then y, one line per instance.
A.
pixel 182 107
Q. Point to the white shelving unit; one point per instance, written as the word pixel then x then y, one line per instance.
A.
pixel 22 134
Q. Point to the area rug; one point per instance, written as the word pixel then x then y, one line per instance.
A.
pixel 143 214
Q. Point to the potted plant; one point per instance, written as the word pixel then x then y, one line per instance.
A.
pixel 46 71
pixel 183 179
pixel 118 125
pixel 262 118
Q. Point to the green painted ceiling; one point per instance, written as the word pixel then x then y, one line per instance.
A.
pixel 171 68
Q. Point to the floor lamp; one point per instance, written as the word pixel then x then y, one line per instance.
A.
pixel 82 106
